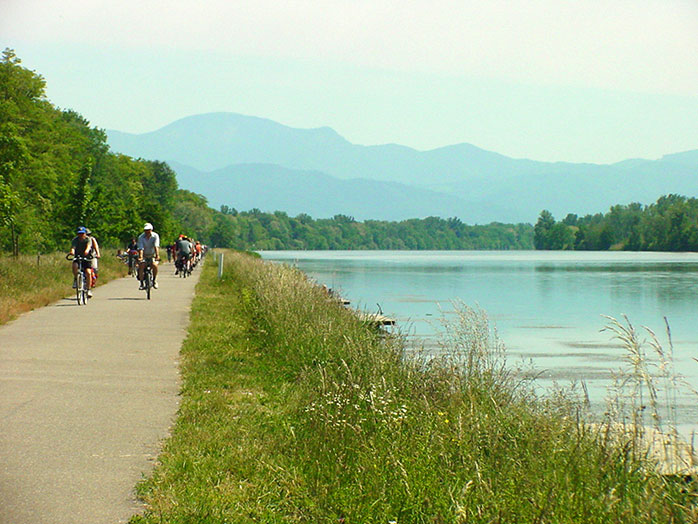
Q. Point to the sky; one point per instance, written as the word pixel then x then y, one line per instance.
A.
pixel 557 80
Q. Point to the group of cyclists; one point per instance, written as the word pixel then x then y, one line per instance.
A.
pixel 186 254
pixel 141 252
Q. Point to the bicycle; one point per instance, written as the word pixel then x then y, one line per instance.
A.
pixel 82 279
pixel 132 263
pixel 148 276
pixel 180 266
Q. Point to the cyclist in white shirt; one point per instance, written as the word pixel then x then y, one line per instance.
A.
pixel 148 248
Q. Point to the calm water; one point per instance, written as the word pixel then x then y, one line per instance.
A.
pixel 547 307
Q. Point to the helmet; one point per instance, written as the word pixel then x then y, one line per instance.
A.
pixel 81 229
pixel 147 226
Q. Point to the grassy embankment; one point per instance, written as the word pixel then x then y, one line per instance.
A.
pixel 27 283
pixel 293 411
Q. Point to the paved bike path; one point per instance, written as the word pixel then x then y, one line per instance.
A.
pixel 87 393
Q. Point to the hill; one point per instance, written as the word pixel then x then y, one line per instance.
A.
pixel 272 187
pixel 479 185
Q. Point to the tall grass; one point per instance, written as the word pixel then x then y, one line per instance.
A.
pixel 642 406
pixel 295 411
pixel 28 281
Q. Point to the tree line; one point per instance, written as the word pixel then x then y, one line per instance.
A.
pixel 258 230
pixel 669 224
pixel 56 172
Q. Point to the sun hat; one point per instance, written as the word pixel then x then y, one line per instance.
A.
pixel 147 225
pixel 81 229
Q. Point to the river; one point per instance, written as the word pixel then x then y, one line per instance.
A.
pixel 548 307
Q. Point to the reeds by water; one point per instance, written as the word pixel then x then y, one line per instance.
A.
pixel 643 401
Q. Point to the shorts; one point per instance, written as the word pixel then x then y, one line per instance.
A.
pixel 85 264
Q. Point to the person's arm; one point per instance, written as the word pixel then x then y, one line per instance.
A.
pixel 157 246
pixel 95 245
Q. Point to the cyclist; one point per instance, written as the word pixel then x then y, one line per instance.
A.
pixel 183 250
pixel 132 251
pixel 197 249
pixel 148 247
pixel 81 245
pixel 96 254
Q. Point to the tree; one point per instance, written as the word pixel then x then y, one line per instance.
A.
pixel 541 231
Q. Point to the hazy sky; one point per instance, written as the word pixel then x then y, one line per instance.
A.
pixel 576 80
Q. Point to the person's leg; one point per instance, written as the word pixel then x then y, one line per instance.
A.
pixel 90 279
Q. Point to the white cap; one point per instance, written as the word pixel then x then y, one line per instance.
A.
pixel 147 226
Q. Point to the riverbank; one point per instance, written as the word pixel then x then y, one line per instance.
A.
pixel 31 281
pixel 293 411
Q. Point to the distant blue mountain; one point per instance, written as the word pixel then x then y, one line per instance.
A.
pixel 248 156
pixel 271 187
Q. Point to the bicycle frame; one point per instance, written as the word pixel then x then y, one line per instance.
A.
pixel 82 279
pixel 148 275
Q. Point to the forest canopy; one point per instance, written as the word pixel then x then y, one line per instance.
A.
pixel 670 224
pixel 56 172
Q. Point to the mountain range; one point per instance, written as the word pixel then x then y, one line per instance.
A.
pixel 248 162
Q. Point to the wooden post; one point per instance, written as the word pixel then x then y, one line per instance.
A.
pixel 220 266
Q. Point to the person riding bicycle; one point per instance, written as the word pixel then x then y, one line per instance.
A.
pixel 183 250
pixel 81 246
pixel 132 252
pixel 96 254
pixel 148 248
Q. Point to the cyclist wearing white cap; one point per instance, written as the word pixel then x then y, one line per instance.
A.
pixel 148 248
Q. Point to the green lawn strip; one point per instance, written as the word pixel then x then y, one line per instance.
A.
pixel 28 282
pixel 294 411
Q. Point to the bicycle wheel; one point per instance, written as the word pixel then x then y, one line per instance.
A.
pixel 85 289
pixel 147 278
pixel 78 287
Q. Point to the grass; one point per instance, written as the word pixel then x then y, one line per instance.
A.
pixel 292 410
pixel 28 282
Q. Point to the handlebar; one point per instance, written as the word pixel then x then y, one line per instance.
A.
pixel 71 256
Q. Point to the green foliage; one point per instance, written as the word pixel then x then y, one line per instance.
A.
pixel 670 224
pixel 56 172
pixel 257 230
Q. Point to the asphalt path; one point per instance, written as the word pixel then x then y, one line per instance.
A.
pixel 87 394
